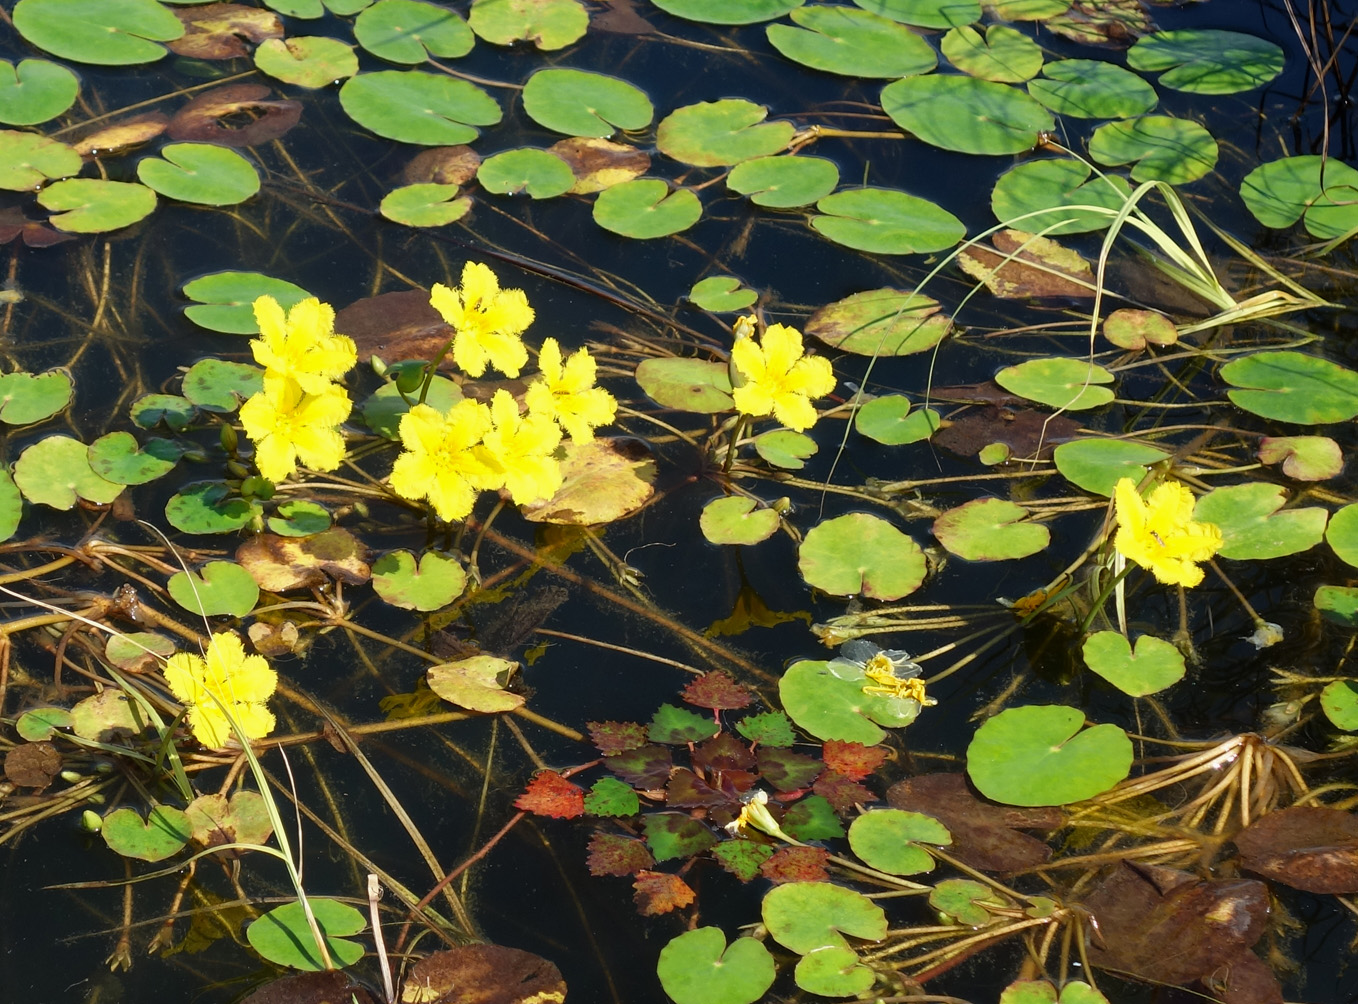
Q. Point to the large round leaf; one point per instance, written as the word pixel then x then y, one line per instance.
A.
pixel 1292 387
pixel 26 398
pixel 881 322
pixel 698 967
pixel 1208 61
pixel 35 91
pixel 1037 755
pixel 1092 89
pixel 548 24
pixel 926 13
pixel 224 300
pixel 832 703
pixel 990 530
pixel 1068 384
pixel 861 553
pixel 1154 666
pixel 966 114
pixel 283 935
pixel 852 42
pixel 784 182
pixel 424 205
pixel 1002 54
pixel 1161 148
pixel 889 840
pixel 687 384
pixel 106 32
pixel 885 221
pixel 27 160
pixel 1096 465
pixel 646 208
pixel 306 61
pixel 805 916
pixel 728 11
pixel 536 172
pixel 410 31
pixel 204 173
pixel 719 133
pixel 416 107
pixel 56 472
pixel 92 206
pixel 1056 185
pixel 578 103
pixel 1342 534
pixel 1322 188
pixel 1254 525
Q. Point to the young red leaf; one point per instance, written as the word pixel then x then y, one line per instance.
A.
pixel 613 854
pixel 660 892
pixel 686 790
pixel 617 737
pixel 646 766
pixel 840 792
pixel 718 691
pixel 550 794
pixel 854 760
pixel 797 864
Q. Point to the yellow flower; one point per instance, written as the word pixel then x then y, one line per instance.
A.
pixel 779 378
pixel 486 320
pixel 755 815
pixel 1159 533
pixel 440 462
pixel 286 424
pixel 302 345
pixel 229 685
pixel 519 450
pixel 567 393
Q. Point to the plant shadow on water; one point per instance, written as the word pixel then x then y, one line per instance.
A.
pixel 820 501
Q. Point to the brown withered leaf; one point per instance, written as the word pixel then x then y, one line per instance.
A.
pixel 483 974
pixel 220 30
pixel 329 986
pixel 122 136
pixel 660 892
pixel 32 765
pixel 1103 22
pixel 1042 269
pixel 1030 435
pixel 279 564
pixel 395 326
pixel 620 17
pixel 985 836
pixel 35 233
pixel 442 165
pixel 235 115
pixel 599 163
pixel 1309 847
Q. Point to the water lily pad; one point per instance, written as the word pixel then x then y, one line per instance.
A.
pixel 990 530
pixel 728 11
pixel 242 819
pixel 1154 666
pixel 1207 60
pixel 881 322
pixel 1159 147
pixel 220 385
pixel 1038 755
pixel 548 24
pixel 139 651
pixel 284 937
pixel 27 160
pixel 209 508
pixel 1305 458
pixel 886 221
pixel 1292 387
pixel 300 518
pixel 1320 189
pixel 889 840
pixel 966 114
pixel 1043 992
pixel 412 106
pixel 860 553
pixel 1338 604
pixel 38 724
pixel 150 410
pixel 221 587
pixel 852 42
pixel 425 205
pixel 784 182
pixel 11 505
pixel 1092 89
pixel 1342 534
pixel 26 398
pixel 203 173
pixel 1253 523
pixel 1132 329
pixel 1057 185
pixel 1339 701
pixel 306 61
pixel 698 967
pixel 162 834
pixel 831 704
pixel 605 480
pixel 833 972
pixel 105 716
pixel 435 582
pixel 91 206
pixel 721 294
pixel 1002 54
pixel 926 13
pixel 890 421
pixel 1096 465
pixel 720 133
pixel 476 683
pixel 56 472
pixel 541 174
pixel 805 916
pixel 117 457
pixel 224 300
pixel 383 409
pixel 734 520
pixel 687 384
pixel 1068 384
pixel 105 32
pixel 313 8
pixel 409 31
pixel 579 103
pixel 785 448
pixel 35 91
pixel 646 208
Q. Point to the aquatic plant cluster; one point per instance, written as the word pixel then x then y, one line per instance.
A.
pixel 1187 437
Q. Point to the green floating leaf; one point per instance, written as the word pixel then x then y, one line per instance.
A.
pixel 208 508
pixel 382 411
pixel 412 106
pixel 728 11
pixel 1133 330
pixel 1096 465
pixel 1161 148
pixel 1292 387
pixel 805 916
pixel 90 206
pixel 1043 992
pixel 768 728
pixel 881 322
pixel 784 182
pixel 312 8
pixel 861 553
pixel 785 448
pixel 687 384
pixel 1207 60
pixel 26 398
pixel 889 840
pixel 56 472
pixel 1153 667
pixel 139 650
pixel 889 420
pixel 886 221
pixel 283 935
pixel 163 832
pixel 613 798
pixel 105 32
pixel 476 683
pixel 962 899
pixel 1320 189
pixel 435 582
pixel 1252 526
pixel 1057 185
pixel 1338 604
pixel 202 173
pixel 678 726
pixel 312 61
pixel 990 530
pixel 1339 701
pixel 409 31
pixel 300 518
pixel 1028 10
pixel 852 42
pixel 1092 89
pixel 541 174
pixel 833 706
pixel 27 160
pixel 646 208
pixel 833 972
pixel 150 410
pixel 11 505
pixel 425 205
pixel 220 385
pixel 1342 534
pixel 966 114
pixel 579 103
pixel 1037 755
pixel 39 723
pixel 734 520
pixel 548 24
pixel 720 133
pixel 926 13
pixel 221 587
pixel 35 91
pixel 225 300
pixel 1003 54
pixel 697 967
pixel 721 294
pixel 1305 458
pixel 1067 384
pixel 672 835
pixel 117 457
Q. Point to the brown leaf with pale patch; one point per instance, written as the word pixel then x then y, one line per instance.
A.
pixel 614 854
pixel 442 165
pixel 395 326
pixel 985 836
pixel 278 564
pixel 1028 267
pixel 220 30
pixel 1308 847
pixel 32 765
pixel 853 760
pixel 660 892
pixel 122 136
pixel 600 163
pixel 329 986
pixel 841 792
pixel 717 690
pixel 216 116
pixel 605 480
pixel 797 864
pixel 483 974
pixel 1030 435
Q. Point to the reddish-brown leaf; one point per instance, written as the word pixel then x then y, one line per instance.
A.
pixel 1027 433
pixel 550 794
pixel 32 765
pixel 614 854
pixel 644 767
pixel 220 30
pixel 486 974
pixel 722 752
pixel 797 864
pixel 35 233
pixel 617 737
pixel 235 115
pixel 854 760
pixel 841 792
pixel 718 691
pixel 786 770
pixel 686 790
pixel 1308 847
pixel 985 836
pixel 395 326
pixel 660 892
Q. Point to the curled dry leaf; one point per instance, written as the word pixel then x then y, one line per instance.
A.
pixel 206 117
pixel 442 165
pixel 599 163
pixel 486 974
pixel 122 136
pixel 220 30
pixel 1309 847
pixel 279 564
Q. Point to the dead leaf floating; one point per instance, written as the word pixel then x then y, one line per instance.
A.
pixel 483 974
pixel 213 116
pixel 1028 267
pixel 1308 847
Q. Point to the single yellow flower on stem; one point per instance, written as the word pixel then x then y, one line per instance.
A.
pixel 519 450
pixel 1159 533
pixel 226 685
pixel 780 379
pixel 302 344
pixel 487 321
pixel 566 392
pixel 440 462
pixel 287 424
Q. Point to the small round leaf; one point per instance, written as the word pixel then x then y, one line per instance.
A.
pixel 541 174
pixel 412 106
pixel 861 553
pixel 35 91
pixel 435 582
pixel 409 31
pixel 784 182
pixel 697 967
pixel 1068 384
pixel 91 206
pixel 222 587
pixel 548 24
pixel 1038 755
pixel 1159 147
pixel 284 937
pixel 885 221
pixel 56 472
pixel 1292 387
pixel 305 61
pixel 720 133
pixel 202 173
pixel 1154 666
pixel 646 209
pixel 579 103
pixel 966 114
pixel 889 839
pixel 734 520
pixel 990 530
pixel 425 205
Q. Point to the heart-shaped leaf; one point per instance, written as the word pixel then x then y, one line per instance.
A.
pixel 1154 666
pixel 222 587
pixel 161 834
